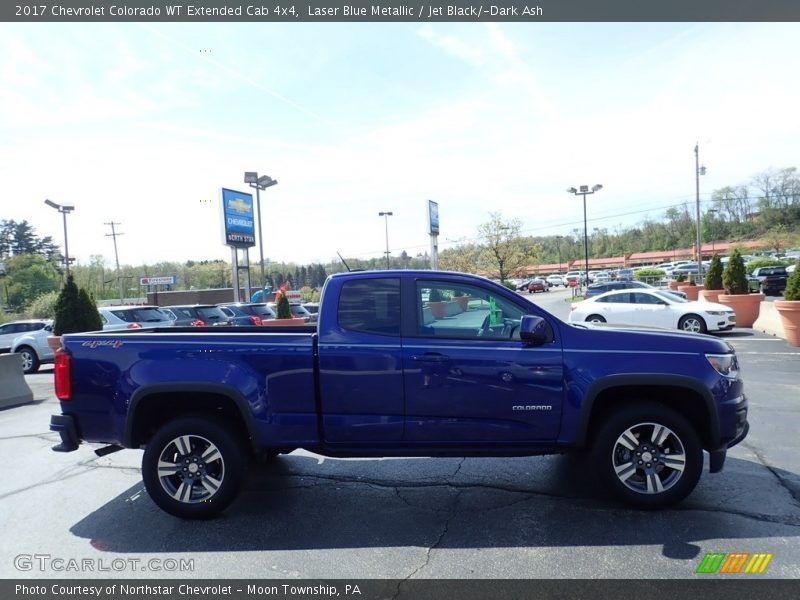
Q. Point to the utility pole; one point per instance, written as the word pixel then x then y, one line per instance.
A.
pixel 114 235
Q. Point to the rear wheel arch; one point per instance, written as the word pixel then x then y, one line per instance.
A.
pixel 152 407
pixel 685 395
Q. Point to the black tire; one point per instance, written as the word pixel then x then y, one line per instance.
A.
pixel 670 443
pixel 595 319
pixel 692 323
pixel 208 467
pixel 30 360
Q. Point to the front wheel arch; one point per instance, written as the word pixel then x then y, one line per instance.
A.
pixel 648 455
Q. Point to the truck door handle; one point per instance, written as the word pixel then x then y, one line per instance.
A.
pixel 431 357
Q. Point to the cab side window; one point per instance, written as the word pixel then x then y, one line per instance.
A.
pixel 449 310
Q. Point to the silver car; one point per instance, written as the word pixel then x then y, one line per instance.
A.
pixel 34 348
pixel 133 317
pixel 12 330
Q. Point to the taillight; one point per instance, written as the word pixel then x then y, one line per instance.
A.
pixel 198 323
pixel 61 375
pixel 134 326
pixel 255 320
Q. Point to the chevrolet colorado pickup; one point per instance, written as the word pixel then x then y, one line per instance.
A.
pixel 403 363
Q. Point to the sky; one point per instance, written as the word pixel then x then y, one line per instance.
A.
pixel 142 124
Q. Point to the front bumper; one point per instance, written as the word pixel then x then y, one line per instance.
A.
pixel 717 457
pixel 65 426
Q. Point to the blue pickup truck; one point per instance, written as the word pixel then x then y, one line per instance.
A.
pixel 403 363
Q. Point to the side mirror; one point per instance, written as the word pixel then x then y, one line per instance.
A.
pixel 534 330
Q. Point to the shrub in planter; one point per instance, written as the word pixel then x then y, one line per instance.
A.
pixel 75 311
pixel 734 277
pixel 690 288
pixel 789 307
pixel 734 280
pixel 713 281
pixel 680 277
pixel 283 309
pixel 436 303
pixel 792 291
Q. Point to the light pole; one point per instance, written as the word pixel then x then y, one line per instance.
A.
pixel 712 230
pixel 64 209
pixel 260 183
pixel 583 191
pixel 386 216
pixel 558 249
pixel 698 171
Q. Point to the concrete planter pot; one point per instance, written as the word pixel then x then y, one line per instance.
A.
pixel 710 295
pixel 673 285
pixel 691 291
pixel 54 341
pixel 789 310
pixel 437 309
pixel 746 307
pixel 283 322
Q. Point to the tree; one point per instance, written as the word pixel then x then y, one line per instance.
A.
pixel 75 310
pixel 29 276
pixel 504 253
pixel 463 258
pixel 792 291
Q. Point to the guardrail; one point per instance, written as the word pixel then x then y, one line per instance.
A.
pixel 13 387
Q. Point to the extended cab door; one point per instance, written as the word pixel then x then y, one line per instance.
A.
pixel 468 376
pixel 360 361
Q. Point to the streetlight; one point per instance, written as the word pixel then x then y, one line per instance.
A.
pixel 64 209
pixel 386 216
pixel 260 183
pixel 713 212
pixel 558 249
pixel 698 171
pixel 583 191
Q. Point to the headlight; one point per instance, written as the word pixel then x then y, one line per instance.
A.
pixel 719 313
pixel 724 364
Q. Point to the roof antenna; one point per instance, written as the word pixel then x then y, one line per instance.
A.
pixel 343 262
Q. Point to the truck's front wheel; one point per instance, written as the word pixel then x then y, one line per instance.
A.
pixel 648 455
pixel 192 468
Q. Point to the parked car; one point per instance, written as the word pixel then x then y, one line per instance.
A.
pixel 312 307
pixel 556 280
pixel 250 309
pixel 133 317
pixel 595 289
pixel 537 285
pixel 576 276
pixel 768 280
pixel 686 270
pixel 653 308
pixel 239 318
pixel 13 329
pixel 34 348
pixel 523 285
pixel 198 315
pixel 624 274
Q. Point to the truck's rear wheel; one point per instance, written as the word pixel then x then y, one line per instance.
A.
pixel 648 455
pixel 193 467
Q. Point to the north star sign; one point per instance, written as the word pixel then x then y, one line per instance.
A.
pixel 238 225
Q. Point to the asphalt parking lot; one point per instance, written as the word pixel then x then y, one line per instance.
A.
pixel 305 516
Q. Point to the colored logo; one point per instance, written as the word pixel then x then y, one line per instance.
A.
pixel 734 563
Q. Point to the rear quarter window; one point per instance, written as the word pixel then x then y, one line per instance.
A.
pixel 371 306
